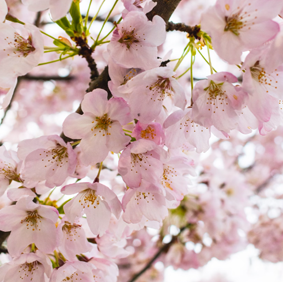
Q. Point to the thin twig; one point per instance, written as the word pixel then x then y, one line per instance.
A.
pixel 191 30
pixel 164 248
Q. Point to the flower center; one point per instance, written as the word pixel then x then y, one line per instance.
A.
pixel 59 153
pixel 10 172
pixel 233 24
pixel 129 75
pixel 103 122
pixel 148 133
pixel 89 197
pixel 259 74
pixel 214 89
pixel 23 45
pixel 128 38
pixel 28 269
pixel 32 219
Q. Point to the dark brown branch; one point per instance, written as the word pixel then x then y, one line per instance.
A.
pixel 191 30
pixel 47 77
pixel 164 9
pixel 86 52
pixel 149 264
pixel 3 237
pixel 10 104
pixel 163 249
pixel 37 19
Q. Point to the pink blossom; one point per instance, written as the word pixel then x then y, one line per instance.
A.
pixel 99 127
pixel 8 169
pixel 3 10
pixel 152 131
pixel 119 78
pixel 72 271
pixel 216 101
pixel 112 247
pixel 135 40
pixel 149 89
pixel 174 179
pixel 46 158
pixel 180 129
pixel 72 239
pixel 139 5
pixel 26 267
pixel 97 201
pixel 146 201
pixel 58 9
pixel 140 160
pixel 36 222
pixel 7 88
pixel 236 26
pixel 109 269
pixel 264 88
pixel 20 52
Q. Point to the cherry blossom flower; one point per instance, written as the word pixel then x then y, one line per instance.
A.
pixel 119 77
pixel 146 201
pixel 58 9
pixel 7 88
pixel 99 127
pixel 152 131
pixel 96 200
pixel 264 88
pixel 26 267
pixel 216 101
pixel 109 269
pixel 46 158
pixel 35 221
pixel 180 128
pixel 135 40
pixel 236 26
pixel 149 89
pixel 72 271
pixel 3 10
pixel 72 239
pixel 112 247
pixel 139 5
pixel 174 178
pixel 141 160
pixel 9 169
pixel 19 52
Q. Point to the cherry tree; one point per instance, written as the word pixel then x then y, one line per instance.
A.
pixel 123 150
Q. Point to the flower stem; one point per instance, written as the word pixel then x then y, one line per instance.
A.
pixel 93 19
pixel 61 59
pixel 98 174
pixel 205 59
pixel 105 21
pixel 87 13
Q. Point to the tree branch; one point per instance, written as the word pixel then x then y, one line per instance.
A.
pixel 192 31
pixel 164 9
pixel 164 248
pixel 86 52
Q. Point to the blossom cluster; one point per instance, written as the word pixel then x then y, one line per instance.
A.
pixel 129 158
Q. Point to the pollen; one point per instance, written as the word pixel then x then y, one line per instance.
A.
pixel 227 7
pixel 89 198
pixel 32 220
pixel 128 38
pixel 19 45
pixel 103 122
pixel 148 133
